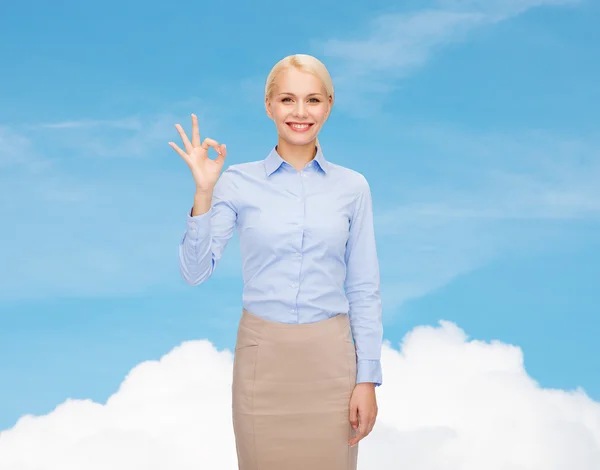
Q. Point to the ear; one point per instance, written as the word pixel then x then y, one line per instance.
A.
pixel 268 107
pixel 330 100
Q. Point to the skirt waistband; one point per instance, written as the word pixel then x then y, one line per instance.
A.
pixel 337 325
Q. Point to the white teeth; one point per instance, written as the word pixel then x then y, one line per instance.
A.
pixel 299 126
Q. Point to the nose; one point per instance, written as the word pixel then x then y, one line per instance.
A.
pixel 300 110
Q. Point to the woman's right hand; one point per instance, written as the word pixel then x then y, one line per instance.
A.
pixel 204 170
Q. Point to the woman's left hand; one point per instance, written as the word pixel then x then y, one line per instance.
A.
pixel 363 410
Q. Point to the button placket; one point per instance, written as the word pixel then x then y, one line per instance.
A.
pixel 299 209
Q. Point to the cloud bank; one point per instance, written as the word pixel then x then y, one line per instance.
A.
pixel 448 403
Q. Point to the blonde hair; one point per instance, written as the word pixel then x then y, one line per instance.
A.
pixel 305 63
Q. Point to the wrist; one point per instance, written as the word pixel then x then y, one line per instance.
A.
pixel 202 202
pixel 203 193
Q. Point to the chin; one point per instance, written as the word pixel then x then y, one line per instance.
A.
pixel 301 140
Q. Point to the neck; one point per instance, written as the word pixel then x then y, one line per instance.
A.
pixel 296 155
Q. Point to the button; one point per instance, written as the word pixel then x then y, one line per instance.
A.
pixel 294 285
pixel 305 174
pixel 298 254
pixel 193 224
pixel 293 310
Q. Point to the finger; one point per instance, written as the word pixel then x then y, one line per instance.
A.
pixel 356 439
pixel 184 138
pixel 365 427
pixel 208 142
pixel 195 131
pixel 362 428
pixel 180 152
pixel 222 154
pixel 359 435
pixel 354 416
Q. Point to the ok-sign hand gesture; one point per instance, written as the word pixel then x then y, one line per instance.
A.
pixel 204 170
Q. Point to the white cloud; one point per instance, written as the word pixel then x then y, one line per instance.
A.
pixel 448 403
pixel 134 136
pixel 82 227
pixel 17 151
pixel 500 177
pixel 494 195
pixel 130 123
pixel 394 45
pixel 79 234
pixel 499 8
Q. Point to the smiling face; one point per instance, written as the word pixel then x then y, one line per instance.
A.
pixel 298 105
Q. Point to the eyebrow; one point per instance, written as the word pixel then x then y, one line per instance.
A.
pixel 310 94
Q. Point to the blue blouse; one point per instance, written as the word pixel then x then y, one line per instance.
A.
pixel 307 243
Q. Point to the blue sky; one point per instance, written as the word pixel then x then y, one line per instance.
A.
pixel 476 124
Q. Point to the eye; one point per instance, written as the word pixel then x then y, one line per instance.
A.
pixel 314 100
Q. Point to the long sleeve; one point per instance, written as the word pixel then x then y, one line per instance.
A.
pixel 362 287
pixel 207 234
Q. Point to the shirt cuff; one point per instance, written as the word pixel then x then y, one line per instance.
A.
pixel 369 371
pixel 198 226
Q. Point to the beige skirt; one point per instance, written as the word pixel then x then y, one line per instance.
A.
pixel 290 395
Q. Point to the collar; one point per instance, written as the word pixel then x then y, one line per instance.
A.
pixel 274 161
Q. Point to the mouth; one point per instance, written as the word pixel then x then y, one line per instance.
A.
pixel 299 126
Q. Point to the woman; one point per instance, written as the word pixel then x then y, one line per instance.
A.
pixel 307 355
